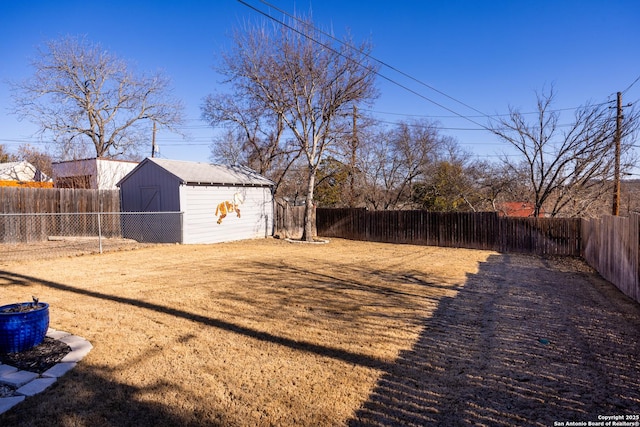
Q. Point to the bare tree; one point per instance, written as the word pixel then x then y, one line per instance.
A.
pixel 294 186
pixel 254 134
pixel 386 177
pixel 495 182
pixel 341 179
pixel 84 96
pixel 351 151
pixel 449 183
pixel 227 148
pixel 568 167
pixel 5 156
pixel 40 159
pixel 398 159
pixel 310 86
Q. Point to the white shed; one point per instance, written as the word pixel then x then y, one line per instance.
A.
pixel 97 173
pixel 218 203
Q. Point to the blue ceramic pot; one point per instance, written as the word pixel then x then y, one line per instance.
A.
pixel 22 330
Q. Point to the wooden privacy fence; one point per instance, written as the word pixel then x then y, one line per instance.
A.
pixel 34 214
pixel 57 200
pixel 611 245
pixel 473 230
pixel 289 220
pixel 543 236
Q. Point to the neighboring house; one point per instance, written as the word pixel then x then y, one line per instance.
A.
pixel 518 209
pixel 218 203
pixel 23 174
pixel 97 173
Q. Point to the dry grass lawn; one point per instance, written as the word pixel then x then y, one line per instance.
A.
pixel 260 332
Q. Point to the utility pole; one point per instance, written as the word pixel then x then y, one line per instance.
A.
pixel 354 147
pixel 616 178
pixel 153 140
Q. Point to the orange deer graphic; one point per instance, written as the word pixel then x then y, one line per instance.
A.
pixel 227 207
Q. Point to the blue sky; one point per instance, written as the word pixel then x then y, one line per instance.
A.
pixel 488 55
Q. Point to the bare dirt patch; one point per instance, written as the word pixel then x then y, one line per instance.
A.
pixel 348 333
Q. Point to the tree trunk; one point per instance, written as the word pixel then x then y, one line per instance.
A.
pixel 309 209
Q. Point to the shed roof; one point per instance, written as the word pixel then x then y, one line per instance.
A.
pixel 206 173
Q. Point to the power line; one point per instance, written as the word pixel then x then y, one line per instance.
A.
pixel 456 114
pixel 557 110
pixel 362 65
pixel 383 63
pixel 631 85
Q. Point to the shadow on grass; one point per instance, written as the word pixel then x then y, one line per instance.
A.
pixel 92 392
pixel 335 353
pixel 90 396
pixel 520 344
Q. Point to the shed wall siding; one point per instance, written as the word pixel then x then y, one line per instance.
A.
pixel 150 176
pixel 200 221
pixel 110 172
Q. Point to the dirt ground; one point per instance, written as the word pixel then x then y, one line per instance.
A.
pixel 268 332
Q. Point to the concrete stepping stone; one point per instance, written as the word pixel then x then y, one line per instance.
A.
pixel 7 403
pixel 36 386
pixel 18 378
pixel 28 384
pixel 59 370
pixel 7 369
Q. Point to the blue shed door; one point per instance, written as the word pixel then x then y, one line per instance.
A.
pixel 150 199
pixel 154 227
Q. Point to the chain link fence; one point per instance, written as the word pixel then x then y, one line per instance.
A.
pixel 48 235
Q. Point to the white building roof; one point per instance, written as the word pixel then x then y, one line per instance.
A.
pixel 21 171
